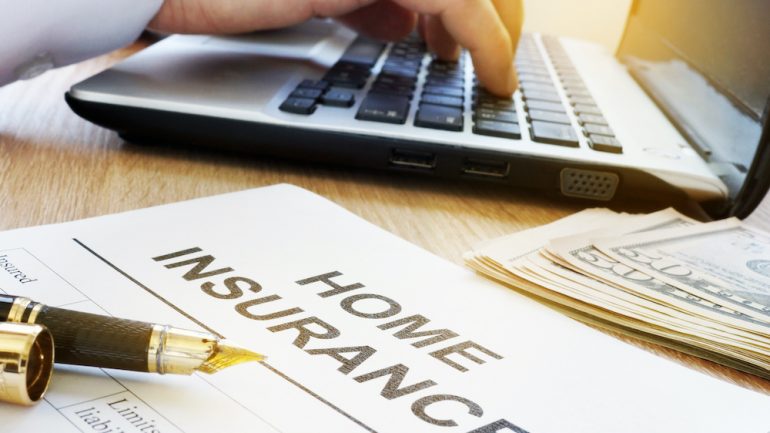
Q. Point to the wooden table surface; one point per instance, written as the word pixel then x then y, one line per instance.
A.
pixel 55 167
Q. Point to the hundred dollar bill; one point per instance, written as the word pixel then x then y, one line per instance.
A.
pixel 518 260
pixel 620 288
pixel 578 253
pixel 716 338
pixel 724 262
pixel 601 318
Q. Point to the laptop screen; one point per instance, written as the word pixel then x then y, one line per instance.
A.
pixel 707 65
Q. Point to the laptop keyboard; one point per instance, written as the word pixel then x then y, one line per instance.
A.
pixel 546 110
pixel 442 95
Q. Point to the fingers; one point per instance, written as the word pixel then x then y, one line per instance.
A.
pixel 238 16
pixel 438 39
pixel 489 29
pixel 511 13
pixel 381 20
pixel 477 26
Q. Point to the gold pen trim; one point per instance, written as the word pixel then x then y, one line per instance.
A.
pixel 154 348
pixel 17 309
pixel 33 314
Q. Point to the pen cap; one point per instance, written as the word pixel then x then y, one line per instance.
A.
pixel 26 362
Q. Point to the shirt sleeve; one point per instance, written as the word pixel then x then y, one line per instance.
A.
pixel 38 35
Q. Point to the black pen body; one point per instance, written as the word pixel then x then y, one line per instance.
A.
pixel 111 342
pixel 85 338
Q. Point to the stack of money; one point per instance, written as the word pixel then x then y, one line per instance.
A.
pixel 701 288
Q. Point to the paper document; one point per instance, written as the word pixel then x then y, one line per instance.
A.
pixel 363 332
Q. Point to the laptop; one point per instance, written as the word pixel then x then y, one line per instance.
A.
pixel 680 108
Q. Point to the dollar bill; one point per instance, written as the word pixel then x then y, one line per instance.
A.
pixel 632 293
pixel 578 253
pixel 600 318
pixel 724 262
pixel 560 266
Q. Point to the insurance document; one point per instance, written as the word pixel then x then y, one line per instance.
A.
pixel 363 332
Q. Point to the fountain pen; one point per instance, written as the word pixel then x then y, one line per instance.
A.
pixel 108 342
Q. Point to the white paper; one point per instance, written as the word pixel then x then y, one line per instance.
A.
pixel 554 374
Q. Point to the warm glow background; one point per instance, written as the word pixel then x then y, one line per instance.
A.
pixel 599 21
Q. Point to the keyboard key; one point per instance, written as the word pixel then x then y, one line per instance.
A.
pixel 496 104
pixel 528 56
pixel 559 58
pixel 592 118
pixel 445 67
pixel 444 91
pixel 577 92
pixel 298 106
pixel 395 80
pixel 445 82
pixel 353 68
pixel 541 78
pixel 439 117
pixel 591 128
pixel 573 82
pixel 497 129
pixel 363 51
pixel 303 92
pixel 529 60
pixel 497 116
pixel 403 63
pixel 571 79
pixel 442 66
pixel 536 87
pixel 447 75
pixel 338 98
pixel 379 107
pixel 415 50
pixel 605 144
pixel 541 96
pixel 534 70
pixel 535 79
pixel 449 101
pixel 549 116
pixel 546 106
pixel 400 71
pixel 346 79
pixel 313 84
pixel 574 100
pixel 566 71
pixel 392 90
pixel 554 133
pixel 414 55
pixel 587 109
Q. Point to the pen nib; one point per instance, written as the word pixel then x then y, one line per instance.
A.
pixel 226 355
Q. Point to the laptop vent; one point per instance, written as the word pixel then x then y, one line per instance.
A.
pixel 591 184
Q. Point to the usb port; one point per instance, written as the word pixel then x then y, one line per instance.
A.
pixel 485 167
pixel 413 159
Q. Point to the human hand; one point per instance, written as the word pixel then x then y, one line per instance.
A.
pixel 488 29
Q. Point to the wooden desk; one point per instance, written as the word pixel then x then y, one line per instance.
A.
pixel 56 167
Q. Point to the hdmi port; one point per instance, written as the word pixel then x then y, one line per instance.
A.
pixel 413 159
pixel 485 167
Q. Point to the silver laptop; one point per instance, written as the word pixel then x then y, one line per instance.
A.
pixel 681 108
